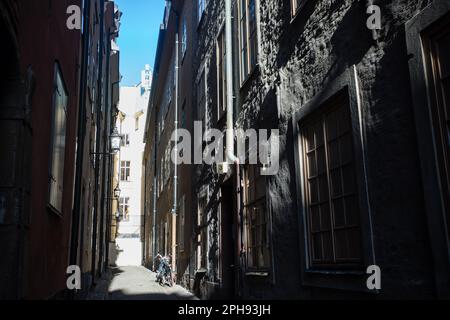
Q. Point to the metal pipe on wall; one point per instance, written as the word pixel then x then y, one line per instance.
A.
pixel 175 174
pixel 231 157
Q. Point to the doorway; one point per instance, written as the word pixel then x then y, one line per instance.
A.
pixel 228 262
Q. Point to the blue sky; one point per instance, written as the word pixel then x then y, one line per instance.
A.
pixel 138 36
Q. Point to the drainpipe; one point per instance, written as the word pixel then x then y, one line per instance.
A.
pixel 231 157
pixel 80 138
pixel 154 215
pixel 175 172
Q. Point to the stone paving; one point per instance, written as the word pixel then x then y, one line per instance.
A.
pixel 136 283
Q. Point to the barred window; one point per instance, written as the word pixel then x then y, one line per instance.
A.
pixel 258 254
pixel 331 196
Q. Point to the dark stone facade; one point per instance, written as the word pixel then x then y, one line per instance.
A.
pixel 303 61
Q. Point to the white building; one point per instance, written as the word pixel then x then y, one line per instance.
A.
pixel 131 125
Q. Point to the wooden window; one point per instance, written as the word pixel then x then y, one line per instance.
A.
pixel 331 194
pixel 221 74
pixel 58 143
pixel 124 208
pixel 125 168
pixel 248 41
pixel 437 54
pixel 258 251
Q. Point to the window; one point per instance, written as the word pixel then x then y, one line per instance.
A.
pixel 201 8
pixel 183 37
pixel 202 236
pixel 124 208
pixel 437 55
pixel 331 197
pixel 183 116
pixel 58 146
pixel 182 223
pixel 125 170
pixel 201 97
pixel 221 73
pixel 125 141
pixel 248 41
pixel 258 256
pixel 167 164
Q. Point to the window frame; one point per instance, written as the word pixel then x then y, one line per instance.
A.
pixel 202 226
pixel 263 200
pixel 249 68
pixel 57 72
pixel 184 38
pixel 332 277
pixel 203 8
pixel 181 222
pixel 124 202
pixel 202 110
pixel 221 68
pixel 321 119
pixel 125 168
pixel 416 31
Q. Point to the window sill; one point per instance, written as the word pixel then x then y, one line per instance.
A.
pixel 257 274
pixel 335 272
pixel 347 280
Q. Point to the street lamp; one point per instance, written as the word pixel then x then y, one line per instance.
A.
pixel 115 141
pixel 117 192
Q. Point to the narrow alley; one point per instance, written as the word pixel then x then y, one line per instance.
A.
pixel 135 283
pixel 243 149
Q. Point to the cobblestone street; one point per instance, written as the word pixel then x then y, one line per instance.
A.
pixel 136 283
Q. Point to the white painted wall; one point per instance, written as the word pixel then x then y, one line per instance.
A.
pixel 133 104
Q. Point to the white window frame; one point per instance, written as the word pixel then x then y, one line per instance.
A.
pixel 59 135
